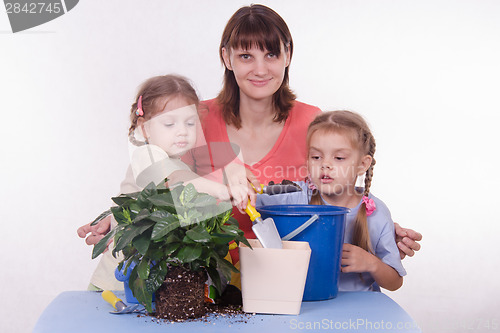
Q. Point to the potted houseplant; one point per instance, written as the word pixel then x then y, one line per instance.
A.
pixel 174 237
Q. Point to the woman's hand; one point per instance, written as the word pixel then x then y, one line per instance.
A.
pixel 407 239
pixel 97 232
pixel 240 181
pixel 253 186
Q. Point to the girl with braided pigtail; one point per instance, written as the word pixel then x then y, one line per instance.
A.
pixel 341 148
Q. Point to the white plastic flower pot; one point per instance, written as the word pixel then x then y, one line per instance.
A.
pixel 273 280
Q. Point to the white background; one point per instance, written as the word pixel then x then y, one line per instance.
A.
pixel 425 74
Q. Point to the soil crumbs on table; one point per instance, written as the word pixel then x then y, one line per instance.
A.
pixel 215 314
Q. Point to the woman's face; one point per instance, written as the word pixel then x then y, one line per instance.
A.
pixel 258 73
pixel 174 128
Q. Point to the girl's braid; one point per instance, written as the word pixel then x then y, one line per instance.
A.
pixel 369 172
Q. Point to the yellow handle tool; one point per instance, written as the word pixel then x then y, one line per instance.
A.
pixel 265 230
pixel 259 191
pixel 112 299
pixel 118 304
pixel 253 213
pixel 277 189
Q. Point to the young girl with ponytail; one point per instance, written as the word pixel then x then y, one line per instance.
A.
pixel 341 148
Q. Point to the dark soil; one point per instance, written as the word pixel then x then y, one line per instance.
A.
pixel 285 182
pixel 182 295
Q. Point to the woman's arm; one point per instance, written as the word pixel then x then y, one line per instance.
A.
pixel 357 260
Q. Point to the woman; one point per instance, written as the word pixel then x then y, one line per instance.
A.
pixel 257 111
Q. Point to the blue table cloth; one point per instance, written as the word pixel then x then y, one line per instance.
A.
pixel 86 311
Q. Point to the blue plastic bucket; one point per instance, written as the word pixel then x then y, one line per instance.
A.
pixel 325 236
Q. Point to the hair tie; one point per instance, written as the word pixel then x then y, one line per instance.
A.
pixel 139 112
pixel 310 184
pixel 370 205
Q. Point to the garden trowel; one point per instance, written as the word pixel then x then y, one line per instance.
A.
pixel 265 230
pixel 118 304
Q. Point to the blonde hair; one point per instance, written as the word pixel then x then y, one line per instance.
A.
pixel 354 126
pixel 155 93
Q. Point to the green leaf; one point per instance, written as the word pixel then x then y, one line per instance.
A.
pixel 230 229
pixel 128 263
pixel 160 216
pixel 192 217
pixel 188 194
pixel 143 269
pixel 121 215
pixel 135 208
pixel 144 213
pixel 164 200
pixel 199 234
pixel 156 254
pixel 224 207
pixel 189 253
pixel 173 238
pixel 232 221
pixel 156 277
pixel 187 240
pixel 130 232
pixel 124 198
pixel 141 242
pixel 222 250
pixel 204 200
pixel 164 226
pixel 147 192
pixel 101 217
pixel 103 244
pixel 222 238
pixel 243 240
pixel 139 290
pixel 214 275
pixel 170 248
pixel 225 267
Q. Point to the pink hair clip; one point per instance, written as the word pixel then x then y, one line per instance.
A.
pixel 310 184
pixel 370 205
pixel 139 112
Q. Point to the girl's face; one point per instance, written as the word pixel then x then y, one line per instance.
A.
pixel 334 163
pixel 174 128
pixel 258 73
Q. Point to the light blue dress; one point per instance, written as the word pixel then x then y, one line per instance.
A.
pixel 380 226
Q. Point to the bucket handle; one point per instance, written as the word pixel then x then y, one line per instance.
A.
pixel 301 228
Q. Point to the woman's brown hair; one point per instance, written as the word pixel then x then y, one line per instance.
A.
pixel 260 26
pixel 155 93
pixel 353 125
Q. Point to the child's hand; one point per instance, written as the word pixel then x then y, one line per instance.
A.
pixel 357 260
pixel 239 195
pixel 221 192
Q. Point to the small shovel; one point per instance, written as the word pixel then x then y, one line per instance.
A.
pixel 265 230
pixel 118 304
